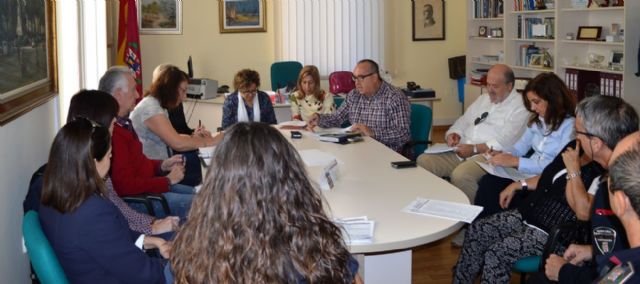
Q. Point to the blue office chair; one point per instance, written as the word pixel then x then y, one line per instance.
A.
pixel 529 264
pixel 421 120
pixel 284 74
pixel 41 254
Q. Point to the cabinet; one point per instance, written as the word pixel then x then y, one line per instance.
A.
pixel 482 52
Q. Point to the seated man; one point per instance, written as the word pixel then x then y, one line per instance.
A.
pixel 493 122
pixel 583 263
pixel 375 108
pixel 131 171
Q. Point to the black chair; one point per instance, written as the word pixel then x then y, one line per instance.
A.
pixel 147 200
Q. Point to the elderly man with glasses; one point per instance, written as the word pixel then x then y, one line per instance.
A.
pixel 493 122
pixel 375 108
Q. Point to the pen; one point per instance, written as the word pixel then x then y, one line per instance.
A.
pixel 199 123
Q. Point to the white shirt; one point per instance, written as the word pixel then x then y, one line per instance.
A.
pixel 504 124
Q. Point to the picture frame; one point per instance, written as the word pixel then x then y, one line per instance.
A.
pixel 589 33
pixel 248 16
pixel 428 20
pixel 496 33
pixel 537 60
pixel 159 16
pixel 28 61
pixel 482 31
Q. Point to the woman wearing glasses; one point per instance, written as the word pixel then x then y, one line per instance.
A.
pixel 90 237
pixel 550 127
pixel 247 103
pixel 309 98
pixel 151 122
pixel 258 219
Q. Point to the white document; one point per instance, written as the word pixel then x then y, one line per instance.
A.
pixel 335 130
pixel 315 157
pixel 206 152
pixel 294 123
pixel 503 172
pixel 444 209
pixel 357 230
pixel 329 176
pixel 440 148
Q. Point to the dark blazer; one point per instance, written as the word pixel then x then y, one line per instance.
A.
pixel 230 109
pixel 94 245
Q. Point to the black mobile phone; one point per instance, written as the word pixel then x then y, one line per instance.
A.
pixel 296 135
pixel 403 164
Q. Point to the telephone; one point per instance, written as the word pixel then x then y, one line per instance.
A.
pixel 223 89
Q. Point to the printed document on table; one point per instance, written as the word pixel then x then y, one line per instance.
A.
pixel 357 230
pixel 444 209
pixel 315 157
pixel 334 130
pixel 439 148
pixel 503 172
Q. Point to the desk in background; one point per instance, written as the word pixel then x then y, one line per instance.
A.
pixel 210 111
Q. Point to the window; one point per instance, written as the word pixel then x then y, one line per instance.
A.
pixel 331 34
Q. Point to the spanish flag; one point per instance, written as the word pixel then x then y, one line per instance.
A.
pixel 129 40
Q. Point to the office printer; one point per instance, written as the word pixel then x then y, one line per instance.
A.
pixel 202 89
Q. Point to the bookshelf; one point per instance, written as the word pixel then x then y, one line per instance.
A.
pixel 566 55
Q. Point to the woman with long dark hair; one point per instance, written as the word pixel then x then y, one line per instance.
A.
pixel 258 219
pixel 89 235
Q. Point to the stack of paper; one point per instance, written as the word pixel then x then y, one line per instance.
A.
pixel 503 172
pixel 440 148
pixel 293 125
pixel 356 230
pixel 315 157
pixel 444 209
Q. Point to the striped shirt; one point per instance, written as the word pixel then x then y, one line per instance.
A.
pixel 386 112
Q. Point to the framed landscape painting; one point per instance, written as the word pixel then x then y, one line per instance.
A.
pixel 28 67
pixel 160 16
pixel 242 16
pixel 428 19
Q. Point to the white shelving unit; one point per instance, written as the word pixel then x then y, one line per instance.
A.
pixel 565 53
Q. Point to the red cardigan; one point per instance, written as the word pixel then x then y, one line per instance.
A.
pixel 131 171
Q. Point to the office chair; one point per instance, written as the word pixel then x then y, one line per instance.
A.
pixel 421 120
pixel 147 199
pixel 284 74
pixel 341 82
pixel 560 237
pixel 41 254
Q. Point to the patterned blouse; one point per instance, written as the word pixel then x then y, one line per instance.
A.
pixel 138 222
pixel 302 109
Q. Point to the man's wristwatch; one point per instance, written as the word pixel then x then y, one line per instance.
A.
pixel 475 148
pixel 524 185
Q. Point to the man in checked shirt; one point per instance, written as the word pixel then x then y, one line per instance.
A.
pixel 375 108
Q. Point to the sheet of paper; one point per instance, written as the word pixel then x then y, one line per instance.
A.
pixel 439 148
pixel 356 230
pixel 315 157
pixel 444 209
pixel 503 172
pixel 334 130
pixel 206 152
pixel 294 124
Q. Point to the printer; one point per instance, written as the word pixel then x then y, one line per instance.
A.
pixel 202 89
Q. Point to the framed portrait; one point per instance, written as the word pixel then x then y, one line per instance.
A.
pixel 428 19
pixel 160 16
pixel 28 55
pixel 482 31
pixel 589 33
pixel 242 16
pixel 537 60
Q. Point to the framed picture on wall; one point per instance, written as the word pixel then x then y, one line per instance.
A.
pixel 27 57
pixel 244 16
pixel 160 16
pixel 428 19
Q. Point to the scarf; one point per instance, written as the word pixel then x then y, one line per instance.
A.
pixel 242 111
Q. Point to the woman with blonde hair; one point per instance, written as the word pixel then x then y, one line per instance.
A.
pixel 258 219
pixel 309 98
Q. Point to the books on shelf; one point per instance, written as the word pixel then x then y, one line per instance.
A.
pixel 488 9
pixel 535 28
pixel 479 77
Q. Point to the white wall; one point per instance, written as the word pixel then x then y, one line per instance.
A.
pixel 24 146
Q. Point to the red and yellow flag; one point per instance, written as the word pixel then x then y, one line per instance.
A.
pixel 129 40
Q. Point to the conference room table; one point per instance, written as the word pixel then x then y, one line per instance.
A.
pixel 367 185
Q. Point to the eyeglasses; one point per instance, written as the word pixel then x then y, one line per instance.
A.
pixel 252 92
pixel 481 118
pixel 361 77
pixel 589 135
